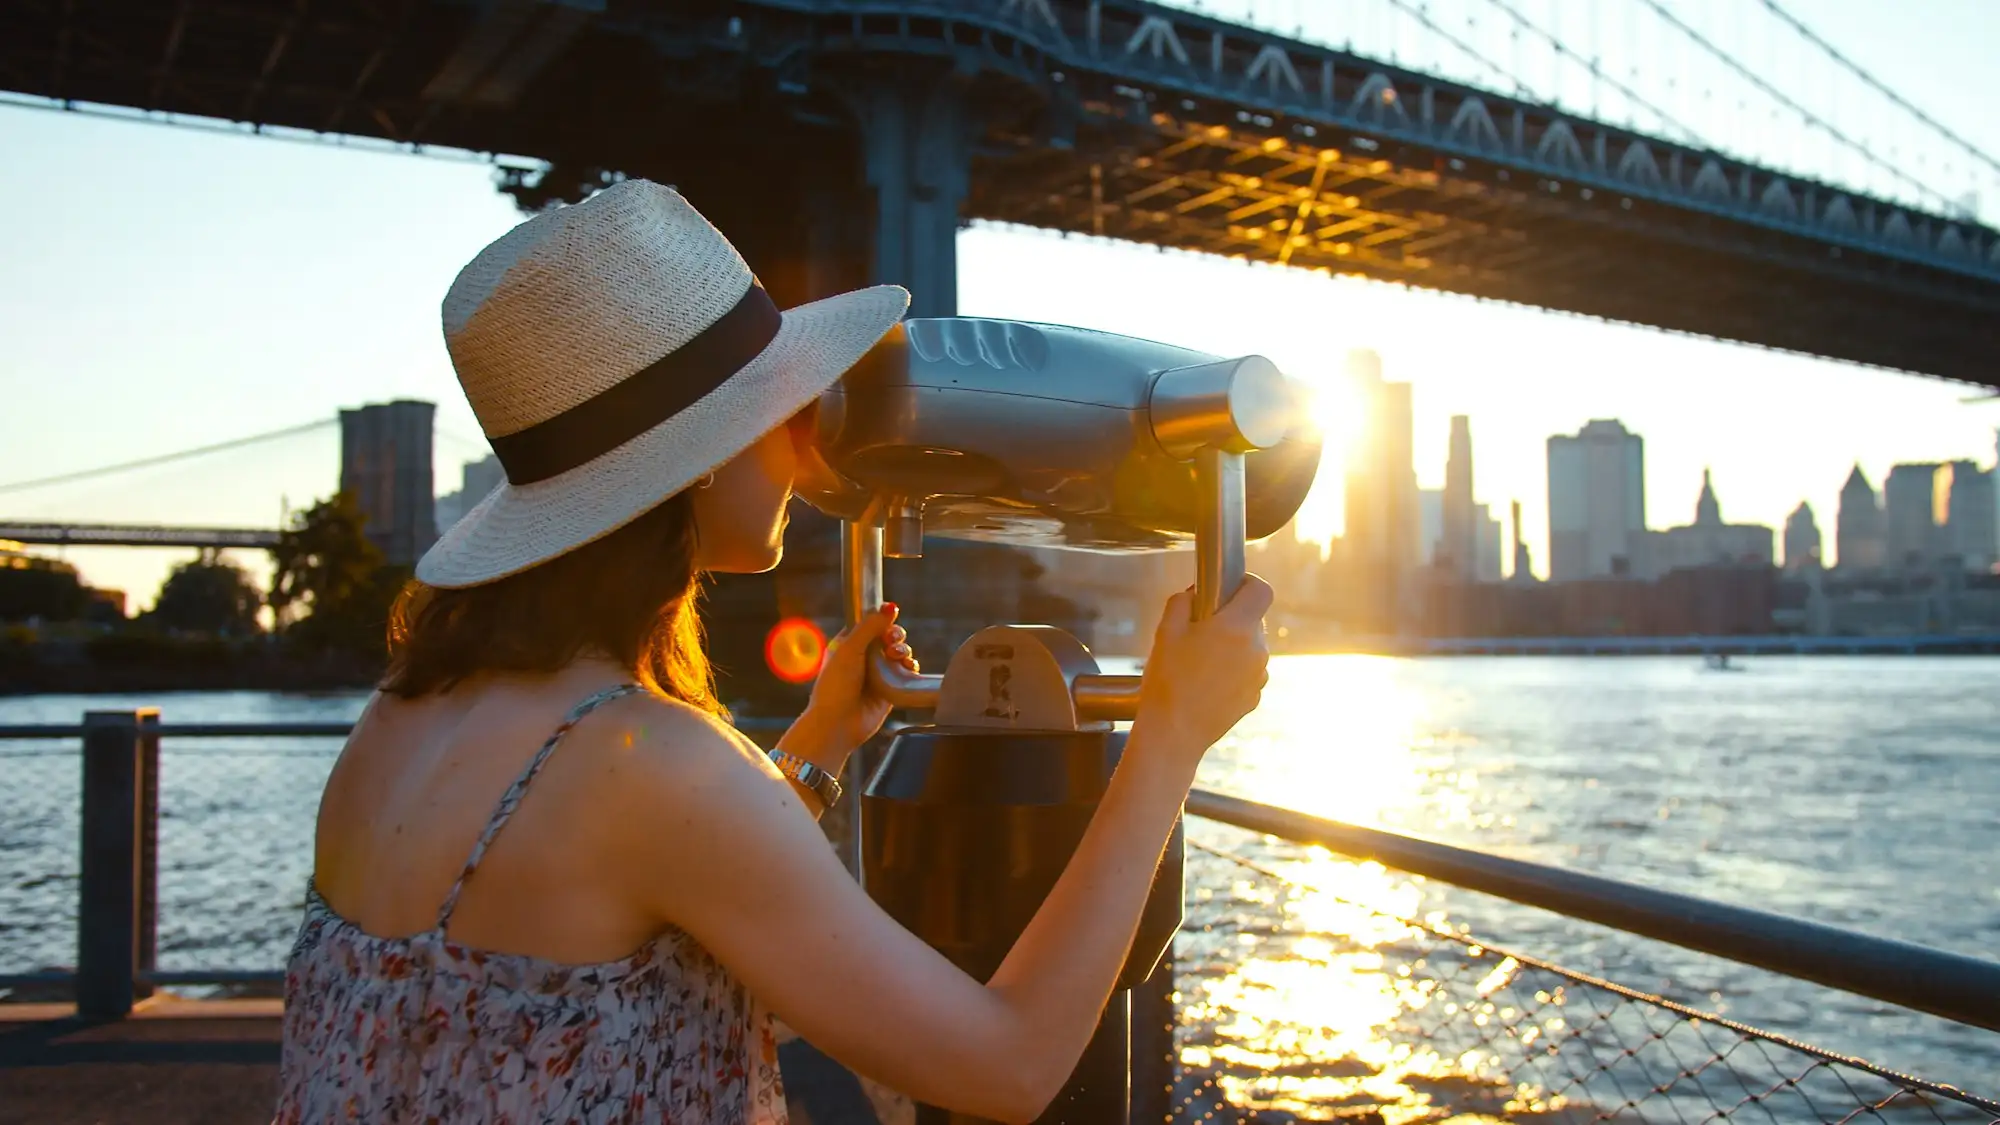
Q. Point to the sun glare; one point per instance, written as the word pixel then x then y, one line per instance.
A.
pixel 1336 410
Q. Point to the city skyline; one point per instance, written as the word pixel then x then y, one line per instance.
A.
pixel 1953 509
pixel 268 284
pixel 1941 509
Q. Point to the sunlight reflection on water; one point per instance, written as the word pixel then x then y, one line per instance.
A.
pixel 1299 1015
pixel 1311 999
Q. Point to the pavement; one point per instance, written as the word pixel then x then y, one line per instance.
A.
pixel 176 1061
pixel 171 1062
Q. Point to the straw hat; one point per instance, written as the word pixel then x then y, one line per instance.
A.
pixel 616 351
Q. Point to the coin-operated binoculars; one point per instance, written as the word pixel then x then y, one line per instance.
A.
pixel 1035 435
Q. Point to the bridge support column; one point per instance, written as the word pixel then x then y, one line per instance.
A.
pixel 916 140
pixel 804 237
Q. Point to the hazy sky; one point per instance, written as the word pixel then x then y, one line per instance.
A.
pixel 162 288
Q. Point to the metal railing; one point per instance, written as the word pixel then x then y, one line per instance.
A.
pixel 1431 1022
pixel 118 855
pixel 1951 985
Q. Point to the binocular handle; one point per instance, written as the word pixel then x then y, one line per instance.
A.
pixel 1219 563
pixel 861 593
pixel 1219 571
pixel 1214 413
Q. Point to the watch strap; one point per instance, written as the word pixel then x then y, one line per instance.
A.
pixel 822 783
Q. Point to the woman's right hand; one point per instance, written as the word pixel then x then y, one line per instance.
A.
pixel 1203 676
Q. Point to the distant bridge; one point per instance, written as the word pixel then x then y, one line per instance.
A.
pixel 135 535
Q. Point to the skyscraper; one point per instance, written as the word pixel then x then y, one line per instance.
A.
pixel 1910 515
pixel 1858 542
pixel 1597 501
pixel 1801 538
pixel 1707 509
pixel 1485 545
pixel 1708 541
pixel 385 461
pixel 1459 538
pixel 477 479
pixel 1965 494
pixel 1524 570
pixel 1381 539
pixel 1430 526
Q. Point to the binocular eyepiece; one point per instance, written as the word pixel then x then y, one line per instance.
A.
pixel 1047 436
pixel 1039 435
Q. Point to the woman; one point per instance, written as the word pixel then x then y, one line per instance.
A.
pixel 645 888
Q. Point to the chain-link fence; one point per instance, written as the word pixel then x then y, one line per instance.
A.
pixel 1352 1012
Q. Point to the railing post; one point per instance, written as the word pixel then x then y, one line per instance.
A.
pixel 1155 1062
pixel 115 900
pixel 147 958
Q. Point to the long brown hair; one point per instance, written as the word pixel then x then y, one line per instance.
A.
pixel 629 596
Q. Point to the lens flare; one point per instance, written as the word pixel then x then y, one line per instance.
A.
pixel 794 649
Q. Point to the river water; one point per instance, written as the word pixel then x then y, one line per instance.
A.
pixel 1863 793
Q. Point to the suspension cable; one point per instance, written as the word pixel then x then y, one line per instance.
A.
pixel 1597 71
pixel 1424 18
pixel 1858 71
pixel 1833 131
pixel 165 458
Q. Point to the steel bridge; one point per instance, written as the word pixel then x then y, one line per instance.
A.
pixel 843 141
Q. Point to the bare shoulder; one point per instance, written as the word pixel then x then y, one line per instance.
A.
pixel 681 803
pixel 666 757
pixel 351 777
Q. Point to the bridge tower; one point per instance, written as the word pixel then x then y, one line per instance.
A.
pixel 856 174
pixel 385 461
pixel 882 204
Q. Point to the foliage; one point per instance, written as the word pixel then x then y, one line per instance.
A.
pixel 43 591
pixel 324 558
pixel 208 595
pixel 17 654
pixel 357 623
pixel 141 647
pixel 326 565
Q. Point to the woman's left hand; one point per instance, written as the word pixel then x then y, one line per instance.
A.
pixel 842 714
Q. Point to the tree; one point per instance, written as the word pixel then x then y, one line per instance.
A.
pixel 323 559
pixel 40 589
pixel 326 564
pixel 208 595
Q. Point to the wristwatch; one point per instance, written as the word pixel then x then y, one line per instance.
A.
pixel 811 776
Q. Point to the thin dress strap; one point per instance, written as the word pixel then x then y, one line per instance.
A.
pixel 512 797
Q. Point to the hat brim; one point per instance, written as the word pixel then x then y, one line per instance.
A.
pixel 515 528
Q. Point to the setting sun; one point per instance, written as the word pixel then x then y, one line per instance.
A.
pixel 1340 415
